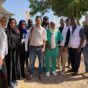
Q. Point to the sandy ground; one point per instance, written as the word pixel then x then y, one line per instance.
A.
pixel 61 81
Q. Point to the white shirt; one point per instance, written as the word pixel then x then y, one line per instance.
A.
pixel 64 33
pixel 53 44
pixel 75 38
pixel 38 35
pixel 3 43
pixel 27 39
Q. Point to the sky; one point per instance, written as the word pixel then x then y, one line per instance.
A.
pixel 20 7
pixel 17 7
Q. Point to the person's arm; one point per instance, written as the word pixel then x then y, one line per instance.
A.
pixel 2 47
pixel 44 45
pixel 44 40
pixel 82 37
pixel 1 61
pixel 30 34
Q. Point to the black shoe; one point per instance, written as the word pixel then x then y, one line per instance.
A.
pixel 75 74
pixel 12 85
pixel 70 70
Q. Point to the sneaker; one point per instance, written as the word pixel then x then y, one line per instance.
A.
pixel 48 74
pixel 12 85
pixel 54 73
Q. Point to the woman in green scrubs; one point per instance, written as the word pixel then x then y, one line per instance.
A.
pixel 54 37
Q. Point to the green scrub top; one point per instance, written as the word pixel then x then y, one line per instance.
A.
pixel 58 37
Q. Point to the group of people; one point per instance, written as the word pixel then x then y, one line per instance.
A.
pixel 21 44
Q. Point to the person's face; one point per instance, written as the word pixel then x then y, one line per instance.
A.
pixel 74 22
pixel 68 22
pixel 52 25
pixel 62 23
pixel 3 22
pixel 23 25
pixel 45 20
pixel 38 21
pixel 30 22
pixel 13 24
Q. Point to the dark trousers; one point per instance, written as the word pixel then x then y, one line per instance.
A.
pixel 18 69
pixel 75 58
pixel 26 58
pixel 69 62
pixel 85 53
pixel 3 77
pixel 22 59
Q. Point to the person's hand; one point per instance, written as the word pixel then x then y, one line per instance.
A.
pixel 43 49
pixel 64 49
pixel 1 62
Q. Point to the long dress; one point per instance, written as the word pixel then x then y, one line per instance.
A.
pixel 11 57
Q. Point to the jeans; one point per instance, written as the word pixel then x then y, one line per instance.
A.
pixel 85 53
pixel 36 50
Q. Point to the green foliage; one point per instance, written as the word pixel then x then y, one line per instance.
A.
pixel 68 8
pixel 39 6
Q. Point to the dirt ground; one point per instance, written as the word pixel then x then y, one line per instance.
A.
pixel 61 81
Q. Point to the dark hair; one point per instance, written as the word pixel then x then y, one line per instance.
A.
pixel 61 20
pixel 20 23
pixel 10 20
pixel 67 19
pixel 29 20
pixel 73 19
pixel 46 18
pixel 38 17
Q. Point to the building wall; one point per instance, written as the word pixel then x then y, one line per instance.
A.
pixel 2 1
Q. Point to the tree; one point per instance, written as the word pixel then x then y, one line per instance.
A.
pixel 68 8
pixel 39 6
